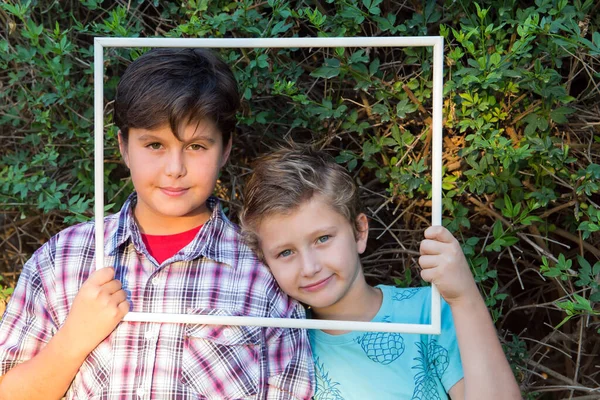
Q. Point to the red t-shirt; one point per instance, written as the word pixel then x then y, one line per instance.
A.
pixel 162 247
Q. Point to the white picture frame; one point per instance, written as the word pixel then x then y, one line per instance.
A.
pixel 437 42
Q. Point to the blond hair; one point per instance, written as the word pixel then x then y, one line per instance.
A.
pixel 287 178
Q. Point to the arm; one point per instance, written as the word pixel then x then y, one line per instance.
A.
pixel 97 309
pixel 457 392
pixel 483 360
pixel 487 374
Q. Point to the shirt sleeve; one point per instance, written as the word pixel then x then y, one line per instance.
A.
pixel 453 373
pixel 289 358
pixel 27 325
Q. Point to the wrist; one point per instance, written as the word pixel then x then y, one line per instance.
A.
pixel 71 344
pixel 469 300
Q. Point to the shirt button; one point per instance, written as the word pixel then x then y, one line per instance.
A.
pixel 151 334
pixel 155 280
pixel 227 333
pixel 140 391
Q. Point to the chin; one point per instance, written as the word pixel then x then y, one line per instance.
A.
pixel 321 304
pixel 182 212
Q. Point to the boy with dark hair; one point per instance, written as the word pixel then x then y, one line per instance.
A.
pixel 170 249
pixel 302 215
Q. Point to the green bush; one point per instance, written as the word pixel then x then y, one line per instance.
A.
pixel 521 141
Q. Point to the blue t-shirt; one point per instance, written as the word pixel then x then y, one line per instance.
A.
pixel 381 365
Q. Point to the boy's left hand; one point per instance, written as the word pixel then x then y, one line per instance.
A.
pixel 445 265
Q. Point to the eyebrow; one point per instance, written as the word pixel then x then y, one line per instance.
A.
pixel 327 230
pixel 146 136
pixel 206 138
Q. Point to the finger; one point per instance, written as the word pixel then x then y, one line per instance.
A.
pixel 439 233
pixel 101 276
pixel 432 247
pixel 112 286
pixel 428 262
pixel 428 275
pixel 123 308
pixel 119 297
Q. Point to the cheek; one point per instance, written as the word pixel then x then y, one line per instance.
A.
pixel 142 162
pixel 204 167
pixel 284 275
pixel 141 171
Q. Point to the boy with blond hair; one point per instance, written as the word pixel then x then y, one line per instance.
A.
pixel 302 216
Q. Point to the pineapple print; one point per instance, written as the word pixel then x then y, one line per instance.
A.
pixel 325 390
pixel 382 347
pixel 438 358
pixel 405 294
pixel 432 362
pixel 426 390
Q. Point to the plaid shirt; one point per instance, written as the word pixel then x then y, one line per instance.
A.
pixel 214 274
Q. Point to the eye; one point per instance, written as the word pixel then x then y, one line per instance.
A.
pixel 154 146
pixel 285 253
pixel 196 147
pixel 323 239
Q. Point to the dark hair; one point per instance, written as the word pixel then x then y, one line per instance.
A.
pixel 285 179
pixel 177 86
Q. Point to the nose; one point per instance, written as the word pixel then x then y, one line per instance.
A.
pixel 311 264
pixel 175 164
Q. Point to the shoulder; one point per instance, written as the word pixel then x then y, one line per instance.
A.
pixel 223 239
pixel 223 242
pixel 65 237
pixel 85 232
pixel 76 240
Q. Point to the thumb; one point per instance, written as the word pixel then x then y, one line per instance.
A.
pixel 101 276
pixel 439 233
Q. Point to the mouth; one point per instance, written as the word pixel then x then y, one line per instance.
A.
pixel 313 287
pixel 174 191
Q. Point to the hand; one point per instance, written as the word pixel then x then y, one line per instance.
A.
pixel 445 265
pixel 97 309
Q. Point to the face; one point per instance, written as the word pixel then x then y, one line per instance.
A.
pixel 174 178
pixel 314 254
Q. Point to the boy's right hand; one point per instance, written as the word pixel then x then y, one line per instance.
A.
pixel 98 307
pixel 444 264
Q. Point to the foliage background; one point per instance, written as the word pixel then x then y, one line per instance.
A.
pixel 522 135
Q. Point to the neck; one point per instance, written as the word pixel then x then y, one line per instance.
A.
pixel 152 224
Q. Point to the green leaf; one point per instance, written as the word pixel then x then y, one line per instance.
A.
pixel 280 27
pixel 404 107
pixel 585 266
pixel 262 61
pixel 535 123
pixel 583 304
pixel 497 230
pixel 331 69
pixel 558 115
pixel 374 66
pixel 531 219
pixel 380 109
pixel 358 56
pixel 372 6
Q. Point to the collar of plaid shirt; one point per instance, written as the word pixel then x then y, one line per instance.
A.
pixel 215 274
pixel 209 243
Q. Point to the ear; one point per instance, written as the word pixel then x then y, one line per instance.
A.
pixel 226 151
pixel 362 234
pixel 123 148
